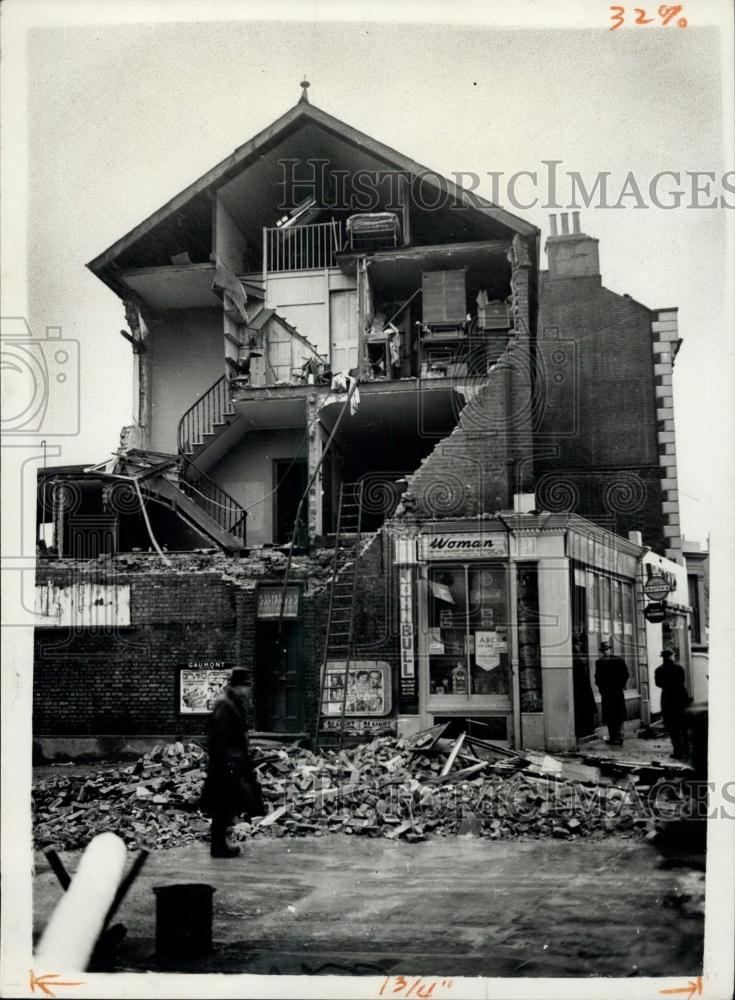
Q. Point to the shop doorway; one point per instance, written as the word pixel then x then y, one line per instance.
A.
pixel 289 481
pixel 278 677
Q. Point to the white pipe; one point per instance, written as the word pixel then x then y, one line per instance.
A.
pixel 70 935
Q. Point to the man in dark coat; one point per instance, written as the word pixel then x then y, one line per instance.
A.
pixel 584 699
pixel 611 676
pixel 670 677
pixel 231 786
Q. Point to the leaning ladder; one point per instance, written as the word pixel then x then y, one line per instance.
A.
pixel 338 643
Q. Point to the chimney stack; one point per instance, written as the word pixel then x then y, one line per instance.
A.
pixel 571 254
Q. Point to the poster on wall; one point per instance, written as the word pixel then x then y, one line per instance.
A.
pixel 368 688
pixel 199 685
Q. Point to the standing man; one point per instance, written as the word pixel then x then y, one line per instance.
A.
pixel 611 676
pixel 231 786
pixel 670 677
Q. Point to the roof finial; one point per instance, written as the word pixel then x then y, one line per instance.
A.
pixel 304 99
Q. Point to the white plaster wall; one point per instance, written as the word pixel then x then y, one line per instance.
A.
pixel 246 472
pixel 186 357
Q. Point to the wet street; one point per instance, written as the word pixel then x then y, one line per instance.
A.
pixel 447 906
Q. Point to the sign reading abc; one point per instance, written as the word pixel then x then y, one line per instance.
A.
pixel 657 586
pixel 466 545
pixel 655 613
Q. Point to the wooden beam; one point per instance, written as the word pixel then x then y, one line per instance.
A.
pixel 453 755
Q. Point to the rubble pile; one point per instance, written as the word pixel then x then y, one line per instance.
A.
pixel 314 570
pixel 151 803
pixel 395 788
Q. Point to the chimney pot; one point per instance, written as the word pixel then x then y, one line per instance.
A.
pixel 575 222
pixel 565 223
pixel 552 220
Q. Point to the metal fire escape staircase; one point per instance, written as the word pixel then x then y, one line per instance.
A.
pixel 196 496
pixel 339 638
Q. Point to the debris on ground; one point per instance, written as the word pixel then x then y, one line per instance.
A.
pixel 397 788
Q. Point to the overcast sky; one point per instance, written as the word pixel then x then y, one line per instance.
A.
pixel 121 117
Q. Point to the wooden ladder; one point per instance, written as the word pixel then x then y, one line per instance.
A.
pixel 338 642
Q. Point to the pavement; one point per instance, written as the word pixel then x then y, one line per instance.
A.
pixel 633 749
pixel 447 906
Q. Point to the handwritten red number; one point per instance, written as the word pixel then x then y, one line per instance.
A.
pixel 642 19
pixel 617 14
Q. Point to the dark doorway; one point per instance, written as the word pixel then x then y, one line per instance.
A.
pixel 278 685
pixel 289 479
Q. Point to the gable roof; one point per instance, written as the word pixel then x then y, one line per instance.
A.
pixel 300 114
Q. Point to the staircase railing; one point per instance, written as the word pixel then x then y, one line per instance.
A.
pixel 204 416
pixel 212 499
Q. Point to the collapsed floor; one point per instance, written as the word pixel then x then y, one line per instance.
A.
pixel 395 788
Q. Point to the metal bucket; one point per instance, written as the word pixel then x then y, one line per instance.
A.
pixel 184 920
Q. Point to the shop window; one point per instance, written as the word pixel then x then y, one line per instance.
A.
pixel 617 617
pixel 611 618
pixel 468 632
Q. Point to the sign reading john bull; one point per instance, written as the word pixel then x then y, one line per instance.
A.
pixel 474 545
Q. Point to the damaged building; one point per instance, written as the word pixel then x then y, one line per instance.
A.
pixel 381 460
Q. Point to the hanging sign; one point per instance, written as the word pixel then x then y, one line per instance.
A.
pixel 655 612
pixel 658 586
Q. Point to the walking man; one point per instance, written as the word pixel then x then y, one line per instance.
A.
pixel 670 677
pixel 231 786
pixel 611 676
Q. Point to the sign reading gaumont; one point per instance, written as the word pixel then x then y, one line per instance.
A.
pixel 475 545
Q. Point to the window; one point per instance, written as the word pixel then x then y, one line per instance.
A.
pixel 611 617
pixel 468 632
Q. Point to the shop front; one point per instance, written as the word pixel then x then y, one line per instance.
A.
pixel 489 610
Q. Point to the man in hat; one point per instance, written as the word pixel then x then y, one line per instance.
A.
pixel 611 676
pixel 670 677
pixel 231 786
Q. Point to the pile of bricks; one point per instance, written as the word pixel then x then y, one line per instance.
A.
pixel 151 803
pixel 385 788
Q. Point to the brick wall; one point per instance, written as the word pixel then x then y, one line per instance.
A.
pixel 125 681
pixel 91 682
pixel 596 447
